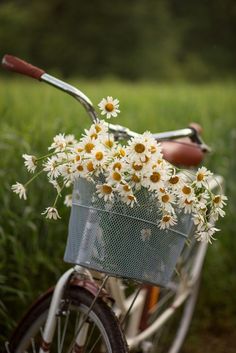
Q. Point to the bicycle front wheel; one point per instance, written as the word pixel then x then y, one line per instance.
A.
pixel 100 330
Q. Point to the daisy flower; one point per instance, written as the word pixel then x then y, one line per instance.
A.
pixel 108 141
pixel 105 191
pixel 117 165
pixel 198 220
pixel 154 180
pixel 98 155
pixel 166 200
pixel 109 107
pixel 52 167
pixel 219 201
pixel 206 233
pixel 59 143
pixel 30 162
pixel 202 176
pixel 167 221
pixel 51 213
pixel 135 180
pixel 124 189
pixel 68 171
pixel 188 205
pixel 186 192
pixel 81 170
pixel 119 152
pixel 90 167
pixel 70 140
pixel 129 199
pixel 175 181
pixel 19 189
pixel 86 144
pixel 114 178
pixel 139 148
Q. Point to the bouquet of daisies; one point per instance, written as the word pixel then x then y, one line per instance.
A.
pixel 124 170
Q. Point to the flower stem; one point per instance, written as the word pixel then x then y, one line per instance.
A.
pixel 33 177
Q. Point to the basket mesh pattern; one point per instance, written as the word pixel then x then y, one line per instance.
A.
pixel 114 238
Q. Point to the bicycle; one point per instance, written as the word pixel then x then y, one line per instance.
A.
pixel 95 312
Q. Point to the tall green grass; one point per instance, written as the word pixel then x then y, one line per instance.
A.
pixel 31 248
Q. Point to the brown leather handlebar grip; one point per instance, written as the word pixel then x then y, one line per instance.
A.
pixel 15 64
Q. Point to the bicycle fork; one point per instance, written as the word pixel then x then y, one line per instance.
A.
pixel 55 308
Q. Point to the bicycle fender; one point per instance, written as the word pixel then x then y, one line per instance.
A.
pixel 92 287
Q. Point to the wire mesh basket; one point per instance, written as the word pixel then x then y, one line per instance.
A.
pixel 114 238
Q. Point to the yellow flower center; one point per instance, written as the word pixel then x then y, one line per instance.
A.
pixel 88 147
pixel 126 188
pixel 162 190
pixel 174 180
pixel 106 189
pixel 131 197
pixel 79 149
pixel 139 148
pixel 165 198
pixel 77 158
pixel 98 128
pixel 137 166
pixel 122 152
pixel 99 156
pixel 217 199
pixel 109 107
pixel 152 149
pixel 109 143
pixel 155 177
pixel 135 178
pixel 188 202
pixel 200 176
pixel 116 176
pixel 117 165
pixel 94 136
pixel 90 166
pixel 80 168
pixel 166 218
pixel 186 190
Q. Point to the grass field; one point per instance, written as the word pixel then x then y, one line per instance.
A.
pixel 31 249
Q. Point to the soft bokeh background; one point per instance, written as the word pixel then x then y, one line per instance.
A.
pixel 170 63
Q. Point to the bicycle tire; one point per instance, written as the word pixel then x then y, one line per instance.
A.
pixel 102 320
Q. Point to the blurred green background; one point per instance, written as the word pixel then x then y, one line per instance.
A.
pixel 169 63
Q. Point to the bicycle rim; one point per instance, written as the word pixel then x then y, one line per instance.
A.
pixel 100 332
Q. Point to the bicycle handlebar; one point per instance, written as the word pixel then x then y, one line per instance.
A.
pixel 15 64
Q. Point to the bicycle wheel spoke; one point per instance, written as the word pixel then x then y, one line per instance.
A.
pixel 89 338
pixel 64 330
pixel 33 345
